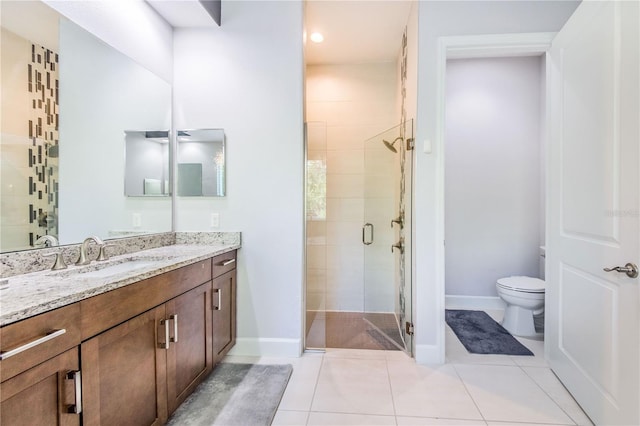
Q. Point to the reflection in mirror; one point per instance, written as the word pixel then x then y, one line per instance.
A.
pixel 29 143
pixel 201 163
pixel 67 99
pixel 146 170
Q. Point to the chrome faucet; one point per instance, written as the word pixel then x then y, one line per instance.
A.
pixel 83 259
pixel 47 241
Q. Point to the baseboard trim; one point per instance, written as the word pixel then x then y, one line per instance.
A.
pixel 429 354
pixel 473 302
pixel 274 347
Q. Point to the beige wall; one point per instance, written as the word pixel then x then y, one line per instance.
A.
pixel 346 105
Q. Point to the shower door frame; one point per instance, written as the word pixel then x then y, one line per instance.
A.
pixel 403 269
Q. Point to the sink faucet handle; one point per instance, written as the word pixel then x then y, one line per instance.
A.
pixel 59 263
pixel 102 255
pixel 83 258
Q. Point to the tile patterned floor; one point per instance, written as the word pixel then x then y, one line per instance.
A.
pixel 367 387
pixel 352 330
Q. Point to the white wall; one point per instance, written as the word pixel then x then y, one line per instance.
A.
pixel 443 18
pixel 492 172
pixel 354 102
pixel 246 78
pixel 131 26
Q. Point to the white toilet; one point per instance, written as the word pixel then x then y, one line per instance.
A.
pixel 524 297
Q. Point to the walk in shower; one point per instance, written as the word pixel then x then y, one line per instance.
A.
pixel 358 273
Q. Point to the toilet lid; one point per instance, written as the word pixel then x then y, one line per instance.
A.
pixel 528 284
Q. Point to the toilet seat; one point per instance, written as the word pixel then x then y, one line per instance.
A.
pixel 522 284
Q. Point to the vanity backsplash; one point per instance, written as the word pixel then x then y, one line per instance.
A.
pixel 24 262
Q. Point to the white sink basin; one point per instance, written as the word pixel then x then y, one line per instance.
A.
pixel 118 268
pixel 110 268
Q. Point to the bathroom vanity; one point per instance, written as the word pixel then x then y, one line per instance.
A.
pixel 106 345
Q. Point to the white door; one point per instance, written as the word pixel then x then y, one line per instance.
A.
pixel 592 338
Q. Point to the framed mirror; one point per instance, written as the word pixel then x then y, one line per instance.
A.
pixel 67 100
pixel 201 163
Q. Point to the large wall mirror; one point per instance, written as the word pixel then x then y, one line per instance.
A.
pixel 67 100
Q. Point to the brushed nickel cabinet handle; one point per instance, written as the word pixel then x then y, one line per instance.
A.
pixel 165 345
pixel 76 376
pixel 174 318
pixel 52 335
pixel 219 291
pixel 228 262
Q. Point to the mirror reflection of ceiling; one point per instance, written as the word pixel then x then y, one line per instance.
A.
pixel 32 20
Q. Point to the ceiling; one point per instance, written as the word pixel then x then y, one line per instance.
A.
pixel 355 31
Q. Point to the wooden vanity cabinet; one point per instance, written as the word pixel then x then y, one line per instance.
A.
pixel 224 314
pixel 189 357
pixel 42 395
pixel 139 371
pixel 124 377
pixel 39 369
pixel 140 349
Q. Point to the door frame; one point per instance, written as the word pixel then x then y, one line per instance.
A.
pixel 467 47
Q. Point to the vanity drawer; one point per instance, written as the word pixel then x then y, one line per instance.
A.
pixel 41 337
pixel 223 263
pixel 104 311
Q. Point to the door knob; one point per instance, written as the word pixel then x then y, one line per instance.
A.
pixel 630 269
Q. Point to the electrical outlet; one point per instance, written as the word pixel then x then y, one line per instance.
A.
pixel 136 220
pixel 215 220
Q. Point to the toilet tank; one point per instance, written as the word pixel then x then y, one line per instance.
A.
pixel 542 258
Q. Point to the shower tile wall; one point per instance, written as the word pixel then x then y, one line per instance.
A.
pixel 346 105
pixel 29 175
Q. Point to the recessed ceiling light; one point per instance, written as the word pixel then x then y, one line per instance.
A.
pixel 316 37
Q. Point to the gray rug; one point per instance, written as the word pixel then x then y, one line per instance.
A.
pixel 235 394
pixel 480 334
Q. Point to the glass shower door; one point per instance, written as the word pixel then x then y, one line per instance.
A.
pixel 386 235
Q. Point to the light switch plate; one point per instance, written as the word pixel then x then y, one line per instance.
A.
pixel 136 219
pixel 215 220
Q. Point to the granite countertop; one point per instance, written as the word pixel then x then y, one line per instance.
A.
pixel 30 294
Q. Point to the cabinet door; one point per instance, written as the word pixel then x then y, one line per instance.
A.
pixel 189 358
pixel 41 395
pixel 224 314
pixel 124 373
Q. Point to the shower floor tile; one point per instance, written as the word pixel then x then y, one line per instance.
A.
pixel 352 330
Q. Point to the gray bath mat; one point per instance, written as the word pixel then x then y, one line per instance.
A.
pixel 480 334
pixel 235 394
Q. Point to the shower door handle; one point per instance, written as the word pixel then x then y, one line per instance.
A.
pixel 364 232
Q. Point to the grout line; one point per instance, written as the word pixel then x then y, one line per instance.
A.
pixel 315 388
pixel 393 401
pixel 469 393
pixel 550 396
